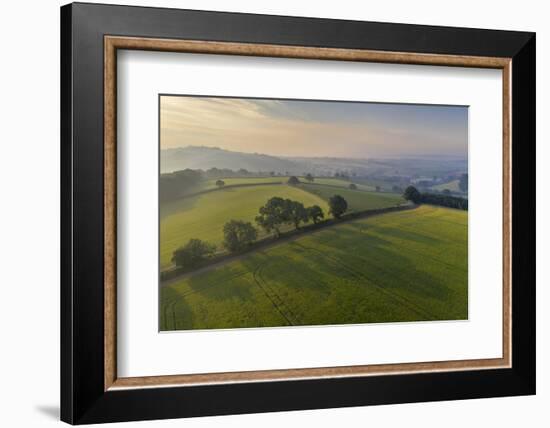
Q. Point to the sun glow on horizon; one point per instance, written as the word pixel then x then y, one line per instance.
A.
pixel 313 128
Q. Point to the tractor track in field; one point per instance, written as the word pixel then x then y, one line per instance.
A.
pixel 213 284
pixel 360 275
pixel 170 306
pixel 279 306
pixel 169 310
pixel 296 319
pixel 432 257
pixel 276 301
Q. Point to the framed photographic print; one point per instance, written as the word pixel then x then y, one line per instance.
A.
pixel 266 213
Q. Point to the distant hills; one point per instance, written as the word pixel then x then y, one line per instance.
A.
pixel 200 157
pixel 195 157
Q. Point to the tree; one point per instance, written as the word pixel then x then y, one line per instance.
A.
pixel 315 213
pixel 175 184
pixel 273 215
pixel 338 206
pixel 238 234
pixel 192 254
pixel 309 177
pixel 412 194
pixel 220 183
pixel 353 186
pixel 377 188
pixel 444 200
pixel 293 181
pixel 463 183
pixel 296 213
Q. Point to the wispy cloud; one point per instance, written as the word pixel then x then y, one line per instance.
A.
pixel 304 128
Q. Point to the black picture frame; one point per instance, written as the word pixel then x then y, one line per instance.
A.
pixel 83 398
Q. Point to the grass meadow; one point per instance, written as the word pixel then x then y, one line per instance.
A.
pixel 357 200
pixel 401 266
pixel 203 216
pixel 451 185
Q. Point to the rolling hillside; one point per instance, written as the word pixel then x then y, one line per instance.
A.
pixel 203 216
pixel 200 157
pixel 204 158
pixel 358 200
pixel 406 266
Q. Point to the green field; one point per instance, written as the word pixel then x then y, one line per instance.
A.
pixel 358 200
pixel 210 184
pixel 339 183
pixel 203 216
pixel 328 181
pixel 402 266
pixel 451 185
pixel 207 185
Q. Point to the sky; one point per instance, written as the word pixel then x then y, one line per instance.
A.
pixel 314 128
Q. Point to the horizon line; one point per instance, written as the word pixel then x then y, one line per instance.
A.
pixel 408 156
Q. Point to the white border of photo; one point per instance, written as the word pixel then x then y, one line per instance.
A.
pixel 144 351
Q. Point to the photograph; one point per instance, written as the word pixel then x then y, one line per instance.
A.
pixel 283 212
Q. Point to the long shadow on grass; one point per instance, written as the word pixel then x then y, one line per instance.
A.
pixel 366 260
pixel 175 312
pixel 407 235
pixel 347 252
pixel 370 257
pixel 177 206
pixel 222 284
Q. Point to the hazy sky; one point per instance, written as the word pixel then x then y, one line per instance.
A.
pixel 314 128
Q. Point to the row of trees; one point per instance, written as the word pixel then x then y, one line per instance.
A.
pixel 238 235
pixel 278 211
pixel 175 184
pixel 171 185
pixel 293 180
pixel 412 194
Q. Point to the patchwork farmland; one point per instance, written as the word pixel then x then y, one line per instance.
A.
pixel 407 265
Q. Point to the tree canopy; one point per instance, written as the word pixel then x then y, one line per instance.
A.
pixel 309 177
pixel 296 213
pixel 192 253
pixel 273 215
pixel 444 199
pixel 412 194
pixel 353 186
pixel 174 184
pixel 238 234
pixel 338 206
pixel 220 183
pixel 315 213
pixel 293 180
